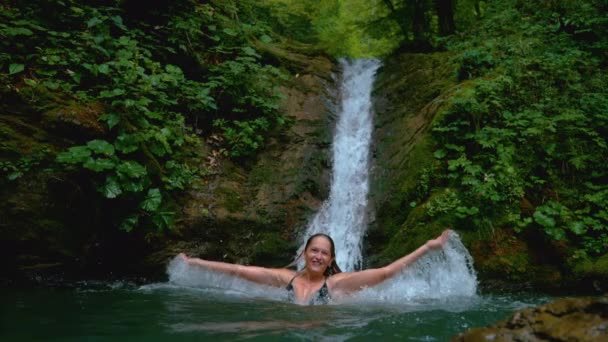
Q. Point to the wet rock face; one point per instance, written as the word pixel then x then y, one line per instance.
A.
pixel 569 319
pixel 409 92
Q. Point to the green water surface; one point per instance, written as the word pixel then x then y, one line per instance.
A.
pixel 122 312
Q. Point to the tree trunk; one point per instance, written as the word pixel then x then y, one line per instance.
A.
pixel 445 16
pixel 419 23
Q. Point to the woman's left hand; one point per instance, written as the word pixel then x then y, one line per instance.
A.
pixel 438 242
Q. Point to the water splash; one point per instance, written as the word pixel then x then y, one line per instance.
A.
pixel 185 276
pixel 445 274
pixel 344 215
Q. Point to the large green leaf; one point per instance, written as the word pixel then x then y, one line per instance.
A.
pixel 74 155
pixel 132 169
pixel 101 147
pixel 127 143
pixel 99 164
pixel 17 31
pixel 132 185
pixel 129 223
pixel 152 201
pixel 15 68
pixel 163 219
pixel 111 119
pixel 111 189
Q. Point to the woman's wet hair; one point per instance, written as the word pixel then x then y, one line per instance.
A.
pixel 333 268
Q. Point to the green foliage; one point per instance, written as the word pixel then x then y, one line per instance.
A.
pixel 548 215
pixel 473 63
pixel 468 14
pixel 240 88
pixel 529 123
pixel 14 170
pixel 243 136
pixel 421 25
pixel 340 28
pixel 294 19
pixel 348 29
pixel 250 90
pixel 196 70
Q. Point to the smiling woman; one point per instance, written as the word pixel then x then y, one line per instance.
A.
pixel 321 279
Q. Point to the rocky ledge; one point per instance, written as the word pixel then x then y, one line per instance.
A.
pixel 568 319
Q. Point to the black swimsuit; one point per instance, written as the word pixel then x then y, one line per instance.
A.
pixel 321 297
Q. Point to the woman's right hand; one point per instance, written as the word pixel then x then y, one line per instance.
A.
pixel 184 258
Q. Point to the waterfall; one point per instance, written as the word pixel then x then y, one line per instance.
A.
pixel 344 215
pixel 441 274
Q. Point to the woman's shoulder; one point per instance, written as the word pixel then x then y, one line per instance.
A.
pixel 285 274
pixel 337 277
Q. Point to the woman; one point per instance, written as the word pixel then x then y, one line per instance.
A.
pixel 321 278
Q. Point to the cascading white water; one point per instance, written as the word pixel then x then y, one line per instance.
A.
pixel 343 216
pixel 443 274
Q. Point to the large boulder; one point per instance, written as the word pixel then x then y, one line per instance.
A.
pixel 567 319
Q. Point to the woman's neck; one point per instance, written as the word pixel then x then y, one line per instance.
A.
pixel 313 276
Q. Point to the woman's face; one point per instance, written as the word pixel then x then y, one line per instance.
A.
pixel 318 254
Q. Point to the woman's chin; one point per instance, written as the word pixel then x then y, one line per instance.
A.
pixel 317 269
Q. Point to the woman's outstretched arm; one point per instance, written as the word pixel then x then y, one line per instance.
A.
pixel 353 281
pixel 277 277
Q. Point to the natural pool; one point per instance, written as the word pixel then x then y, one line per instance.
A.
pixel 432 300
pixel 161 312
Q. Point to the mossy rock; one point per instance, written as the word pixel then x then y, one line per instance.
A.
pixel 566 319
pixel 413 233
pixel 297 57
pixel 75 120
pixel 231 197
pixel 501 255
pixel 592 272
pixel 272 248
pixel 409 91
